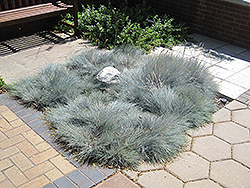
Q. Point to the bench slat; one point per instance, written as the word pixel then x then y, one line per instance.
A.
pixel 26 11
pixel 41 10
pixel 20 11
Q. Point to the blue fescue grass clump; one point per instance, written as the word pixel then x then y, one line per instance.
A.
pixel 52 85
pixel 141 118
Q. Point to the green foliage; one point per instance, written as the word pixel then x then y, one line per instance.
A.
pixel 2 83
pixel 141 118
pixel 107 27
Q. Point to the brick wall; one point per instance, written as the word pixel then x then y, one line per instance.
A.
pixel 219 19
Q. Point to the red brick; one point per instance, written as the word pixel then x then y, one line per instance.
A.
pixel 245 18
pixel 224 3
pixel 205 12
pixel 240 21
pixel 214 23
pixel 234 25
pixel 235 15
pixel 239 30
pixel 247 28
pixel 242 12
pixel 217 6
pixel 227 27
pixel 228 18
pixel 216 15
pixel 219 29
pixel 230 9
pixel 222 12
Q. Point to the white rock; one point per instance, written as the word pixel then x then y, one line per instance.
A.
pixel 108 75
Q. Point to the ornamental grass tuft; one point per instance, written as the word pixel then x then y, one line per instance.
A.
pixel 143 118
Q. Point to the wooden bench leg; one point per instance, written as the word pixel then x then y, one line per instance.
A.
pixel 76 32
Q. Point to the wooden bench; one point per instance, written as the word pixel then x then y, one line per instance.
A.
pixel 20 11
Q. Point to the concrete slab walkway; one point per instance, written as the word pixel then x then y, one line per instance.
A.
pixel 217 155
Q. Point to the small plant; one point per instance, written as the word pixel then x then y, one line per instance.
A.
pixel 2 85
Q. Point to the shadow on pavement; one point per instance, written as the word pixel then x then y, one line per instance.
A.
pixel 25 42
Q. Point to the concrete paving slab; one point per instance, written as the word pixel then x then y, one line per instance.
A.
pixel 159 179
pixel 199 38
pixel 189 167
pixel 240 79
pixel 230 174
pixel 212 148
pixel 202 184
pixel 213 43
pixel 231 132
pixel 234 65
pixel 230 89
pixel 245 55
pixel 220 72
pixel 241 153
pixel 231 49
pixel 242 117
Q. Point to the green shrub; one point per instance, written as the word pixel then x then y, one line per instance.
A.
pixel 107 27
pixel 2 83
pixel 141 118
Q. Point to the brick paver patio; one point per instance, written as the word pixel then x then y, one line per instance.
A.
pixel 217 155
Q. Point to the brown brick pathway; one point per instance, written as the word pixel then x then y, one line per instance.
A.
pixel 27 160
pixel 30 158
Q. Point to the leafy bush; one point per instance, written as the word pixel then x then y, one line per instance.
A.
pixel 2 85
pixel 107 27
pixel 141 118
